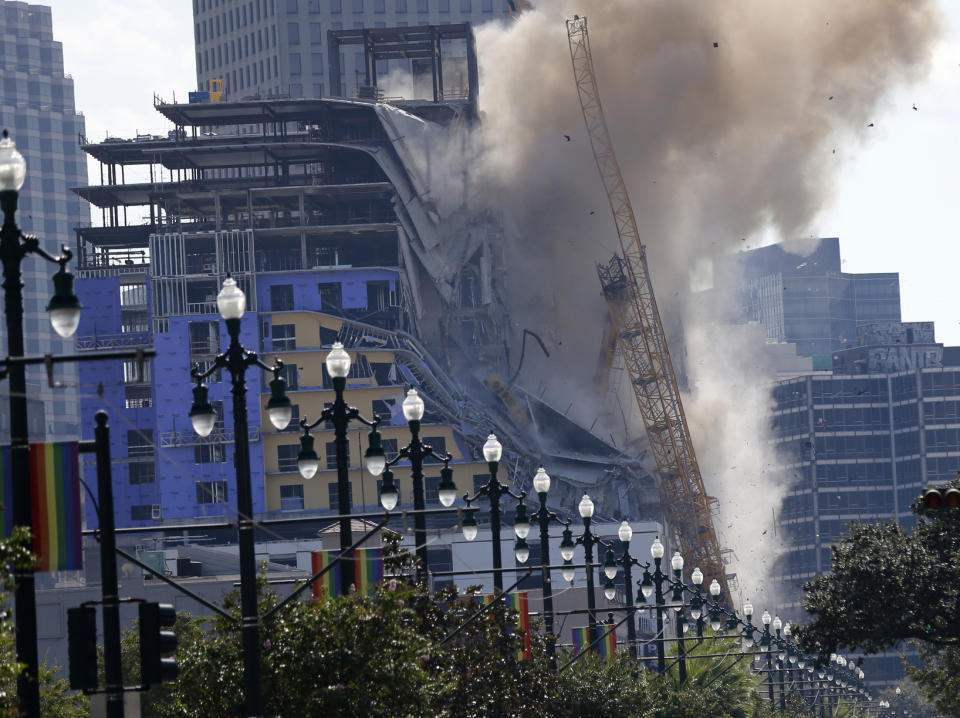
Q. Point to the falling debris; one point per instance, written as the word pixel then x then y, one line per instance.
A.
pixel 830 98
pixel 914 105
pixel 716 44
pixel 566 137
pixel 870 125
pixel 592 212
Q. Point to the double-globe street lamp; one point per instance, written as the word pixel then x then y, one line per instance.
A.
pixel 493 490
pixel 415 452
pixel 232 304
pixel 64 310
pixel 544 517
pixel 340 414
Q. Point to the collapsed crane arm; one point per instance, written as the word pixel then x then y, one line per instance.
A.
pixel 641 341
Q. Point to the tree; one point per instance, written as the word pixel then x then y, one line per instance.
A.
pixel 56 698
pixel 889 586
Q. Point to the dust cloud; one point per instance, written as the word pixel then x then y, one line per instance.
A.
pixel 724 117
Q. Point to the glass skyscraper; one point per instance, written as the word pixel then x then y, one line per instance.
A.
pixel 37 108
pixel 860 443
pixel 805 298
pixel 265 48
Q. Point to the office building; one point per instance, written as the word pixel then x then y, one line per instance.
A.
pixel 270 48
pixel 800 294
pixel 860 443
pixel 37 108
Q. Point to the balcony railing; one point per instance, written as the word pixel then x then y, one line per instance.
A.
pixel 112 341
pixel 190 438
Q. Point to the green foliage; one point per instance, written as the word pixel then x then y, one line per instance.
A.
pixel 888 586
pixel 727 684
pixel 394 653
pixel 938 681
pixel 56 698
pixel 600 689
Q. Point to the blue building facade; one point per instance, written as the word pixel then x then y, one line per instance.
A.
pixel 37 108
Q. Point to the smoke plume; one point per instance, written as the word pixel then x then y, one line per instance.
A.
pixel 724 117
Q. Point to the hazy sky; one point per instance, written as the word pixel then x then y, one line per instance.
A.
pixel 895 209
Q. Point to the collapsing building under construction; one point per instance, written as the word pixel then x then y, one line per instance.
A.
pixel 327 213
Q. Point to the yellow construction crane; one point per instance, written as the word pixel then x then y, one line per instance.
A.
pixel 641 342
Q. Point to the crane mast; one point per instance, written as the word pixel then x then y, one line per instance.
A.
pixel 640 339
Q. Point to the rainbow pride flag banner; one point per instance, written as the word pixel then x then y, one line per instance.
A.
pixel 55 503
pixel 368 573
pixel 606 649
pixel 369 568
pixel 520 603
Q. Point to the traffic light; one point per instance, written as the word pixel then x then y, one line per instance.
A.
pixel 155 643
pixel 82 647
pixel 941 497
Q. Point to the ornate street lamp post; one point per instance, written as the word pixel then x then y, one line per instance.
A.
pixel 340 414
pixel 416 451
pixel 232 304
pixel 543 516
pixel 64 311
pixel 493 490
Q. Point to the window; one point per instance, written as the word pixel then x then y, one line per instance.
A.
pixel 133 295
pixel 379 6
pixel 431 487
pixel 336 7
pixel 139 442
pixel 316 33
pixel 296 89
pixel 287 457
pixel 423 6
pixel 331 454
pixel 389 447
pixel 281 298
pixel 359 369
pixel 402 5
pixel 331 297
pixel 284 337
pixel 383 409
pixel 204 338
pixel 142 472
pixel 209 454
pixel 444 5
pixel 465 6
pixel 211 492
pixel 357 6
pixel 479 481
pixel 293 33
pixel 292 8
pixel 135 372
pixel 439 446
pixel 294 424
pixel 378 296
pixel 289 374
pixel 144 512
pixel 333 494
pixel 314 6
pixel 137 396
pixel 316 64
pixel 291 497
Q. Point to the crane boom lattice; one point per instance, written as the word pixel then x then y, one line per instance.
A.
pixel 640 339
